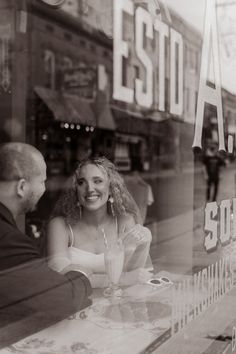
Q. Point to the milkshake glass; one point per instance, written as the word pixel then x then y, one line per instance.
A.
pixel 114 262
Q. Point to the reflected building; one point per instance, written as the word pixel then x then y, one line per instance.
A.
pixel 63 99
pixel 59 91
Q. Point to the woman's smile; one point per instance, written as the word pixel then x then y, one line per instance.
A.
pixel 92 197
pixel 93 187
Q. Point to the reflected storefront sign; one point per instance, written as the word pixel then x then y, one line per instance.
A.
pixel 143 90
pixel 150 85
pixel 80 81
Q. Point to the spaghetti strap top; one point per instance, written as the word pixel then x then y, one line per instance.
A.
pixel 117 228
pixel 71 236
pixel 95 262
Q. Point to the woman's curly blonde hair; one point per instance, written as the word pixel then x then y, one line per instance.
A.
pixel 123 203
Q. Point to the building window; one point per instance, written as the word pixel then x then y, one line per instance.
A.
pixel 177 73
pixel 144 36
pixel 136 72
pixel 124 71
pixel 49 67
pixel 167 97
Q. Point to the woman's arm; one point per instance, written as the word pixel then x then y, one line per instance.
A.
pixel 58 240
pixel 57 244
pixel 136 276
pixel 137 240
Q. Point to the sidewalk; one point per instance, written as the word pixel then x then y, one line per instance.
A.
pixel 212 332
pixel 172 245
pixel 178 241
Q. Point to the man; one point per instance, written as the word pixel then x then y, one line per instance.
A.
pixel 32 296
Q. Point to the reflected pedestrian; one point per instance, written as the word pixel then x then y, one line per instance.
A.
pixel 213 162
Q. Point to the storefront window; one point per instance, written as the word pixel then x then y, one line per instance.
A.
pixel 149 85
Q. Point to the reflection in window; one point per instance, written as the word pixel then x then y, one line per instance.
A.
pixel 167 98
pixel 124 72
pixel 5 75
pixel 67 63
pixel 187 100
pixel 136 72
pixel 49 67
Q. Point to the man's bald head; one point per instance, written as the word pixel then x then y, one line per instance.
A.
pixel 19 160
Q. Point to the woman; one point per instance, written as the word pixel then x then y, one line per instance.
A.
pixel 96 206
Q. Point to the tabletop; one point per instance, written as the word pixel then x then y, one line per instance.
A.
pixel 129 324
pixel 140 322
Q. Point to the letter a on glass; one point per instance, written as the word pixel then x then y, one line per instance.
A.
pixel 207 94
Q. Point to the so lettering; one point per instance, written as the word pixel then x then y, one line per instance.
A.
pixel 220 223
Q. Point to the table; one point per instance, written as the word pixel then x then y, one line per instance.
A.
pixel 139 323
pixel 129 326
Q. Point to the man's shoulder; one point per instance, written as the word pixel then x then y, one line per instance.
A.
pixel 15 247
pixel 7 228
pixel 7 222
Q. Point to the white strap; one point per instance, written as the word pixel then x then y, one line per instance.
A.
pixel 71 238
pixel 117 230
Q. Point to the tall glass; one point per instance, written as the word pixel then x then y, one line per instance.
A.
pixel 114 262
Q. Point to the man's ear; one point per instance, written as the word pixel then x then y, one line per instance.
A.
pixel 21 187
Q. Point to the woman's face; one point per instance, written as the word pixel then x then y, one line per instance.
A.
pixel 92 187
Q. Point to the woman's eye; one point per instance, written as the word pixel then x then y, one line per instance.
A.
pixel 97 181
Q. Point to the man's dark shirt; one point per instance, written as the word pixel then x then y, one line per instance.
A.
pixel 32 296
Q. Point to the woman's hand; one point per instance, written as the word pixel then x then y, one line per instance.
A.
pixel 136 276
pixel 137 236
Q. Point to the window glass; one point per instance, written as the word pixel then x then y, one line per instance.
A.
pixel 150 85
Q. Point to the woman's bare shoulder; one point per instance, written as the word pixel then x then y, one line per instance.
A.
pixel 126 222
pixel 57 225
pixel 57 221
pixel 57 235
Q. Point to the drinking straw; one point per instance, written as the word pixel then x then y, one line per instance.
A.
pixel 104 236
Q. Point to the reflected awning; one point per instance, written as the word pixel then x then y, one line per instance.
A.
pixel 105 118
pixel 136 123
pixel 66 107
pixel 130 123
